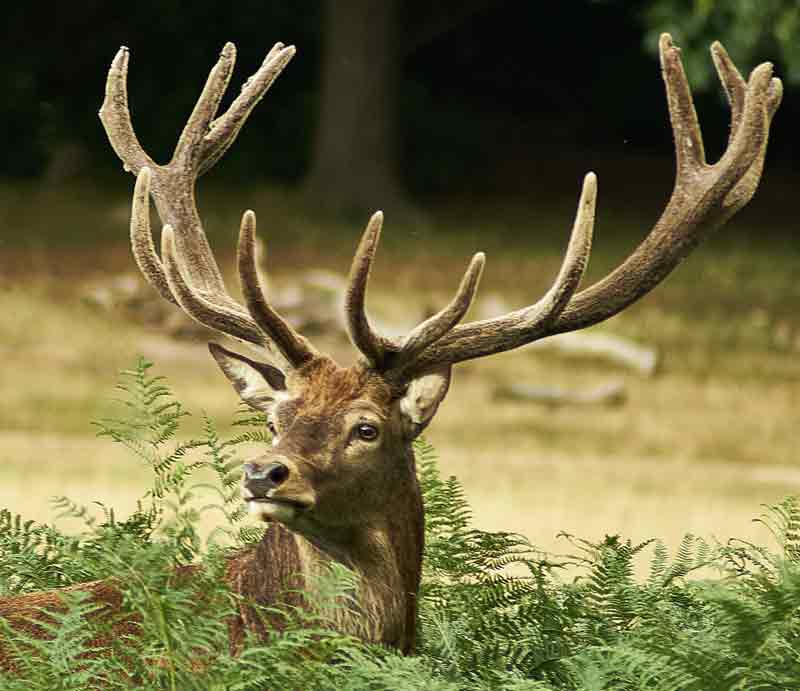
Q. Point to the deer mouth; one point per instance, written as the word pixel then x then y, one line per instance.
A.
pixel 294 503
pixel 279 509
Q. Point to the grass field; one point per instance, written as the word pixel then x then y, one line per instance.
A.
pixel 696 448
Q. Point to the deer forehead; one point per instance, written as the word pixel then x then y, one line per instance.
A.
pixel 327 392
pixel 324 386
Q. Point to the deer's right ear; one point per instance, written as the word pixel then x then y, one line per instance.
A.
pixel 257 383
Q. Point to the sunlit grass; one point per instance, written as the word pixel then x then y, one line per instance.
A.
pixel 696 448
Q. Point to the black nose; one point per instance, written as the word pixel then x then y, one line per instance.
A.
pixel 259 479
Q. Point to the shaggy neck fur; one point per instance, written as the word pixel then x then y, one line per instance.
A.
pixel 385 553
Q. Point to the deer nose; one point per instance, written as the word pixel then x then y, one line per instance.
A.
pixel 260 478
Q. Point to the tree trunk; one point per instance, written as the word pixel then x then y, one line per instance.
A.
pixel 354 165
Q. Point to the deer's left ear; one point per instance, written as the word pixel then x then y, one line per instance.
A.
pixel 257 383
pixel 422 398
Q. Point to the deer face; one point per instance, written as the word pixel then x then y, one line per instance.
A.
pixel 340 461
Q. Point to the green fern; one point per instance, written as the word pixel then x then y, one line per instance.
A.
pixel 495 613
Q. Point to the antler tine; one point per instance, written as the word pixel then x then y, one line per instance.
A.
pixel 116 116
pixel 750 138
pixel 704 198
pixel 296 349
pixel 736 91
pixel 736 88
pixel 172 184
pixel 225 129
pixel 371 344
pixel 433 328
pixel 144 250
pixel 573 267
pixel 381 352
pixel 229 319
pixel 733 83
pixel 505 333
pixel 206 107
pixel 689 151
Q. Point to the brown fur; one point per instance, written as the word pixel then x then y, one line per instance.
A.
pixel 23 612
pixel 327 386
pixel 373 515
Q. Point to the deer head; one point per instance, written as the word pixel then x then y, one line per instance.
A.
pixel 340 472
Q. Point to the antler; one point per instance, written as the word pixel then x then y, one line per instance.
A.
pixel 704 198
pixel 187 273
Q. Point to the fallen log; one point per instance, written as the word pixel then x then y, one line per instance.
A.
pixel 610 394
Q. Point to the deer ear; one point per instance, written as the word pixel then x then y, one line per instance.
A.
pixel 422 398
pixel 256 382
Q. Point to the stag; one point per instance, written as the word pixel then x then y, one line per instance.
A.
pixel 339 482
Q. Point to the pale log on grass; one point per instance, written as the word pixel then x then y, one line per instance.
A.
pixel 339 482
pixel 611 394
pixel 621 351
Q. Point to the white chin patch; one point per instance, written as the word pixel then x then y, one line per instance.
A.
pixel 272 511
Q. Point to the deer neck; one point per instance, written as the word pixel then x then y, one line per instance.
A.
pixel 385 553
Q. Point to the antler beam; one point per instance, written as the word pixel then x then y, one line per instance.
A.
pixel 704 198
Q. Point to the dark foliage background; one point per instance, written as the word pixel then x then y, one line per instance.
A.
pixel 489 96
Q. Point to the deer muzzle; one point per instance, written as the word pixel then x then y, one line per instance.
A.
pixel 260 479
pixel 275 489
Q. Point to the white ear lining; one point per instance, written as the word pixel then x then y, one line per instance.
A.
pixel 247 381
pixel 257 384
pixel 422 398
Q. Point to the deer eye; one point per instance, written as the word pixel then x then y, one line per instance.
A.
pixel 272 429
pixel 366 432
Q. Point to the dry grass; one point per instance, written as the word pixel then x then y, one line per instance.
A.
pixel 696 449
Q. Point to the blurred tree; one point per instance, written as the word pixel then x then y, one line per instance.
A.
pixel 354 161
pixel 354 156
pixel 384 97
pixel 752 31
